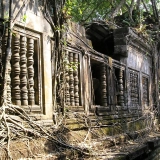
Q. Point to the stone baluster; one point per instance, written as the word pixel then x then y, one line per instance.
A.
pixel 103 85
pixel 16 93
pixel 67 81
pixel 71 80
pixel 121 89
pixel 23 75
pixel 30 62
pixel 76 80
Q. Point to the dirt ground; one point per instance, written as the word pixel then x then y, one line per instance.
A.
pixel 30 149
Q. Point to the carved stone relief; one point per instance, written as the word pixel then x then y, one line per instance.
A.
pixel 134 89
pixel 145 88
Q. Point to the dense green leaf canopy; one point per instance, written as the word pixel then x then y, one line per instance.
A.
pixel 134 11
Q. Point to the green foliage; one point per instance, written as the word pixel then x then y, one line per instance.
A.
pixel 70 65
pixel 73 66
pixel 88 10
pixel 14 34
pixel 24 18
pixel 85 10
pixel 6 17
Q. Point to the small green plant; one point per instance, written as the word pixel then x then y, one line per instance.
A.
pixel 73 66
pixel 24 18
pixel 14 34
pixel 6 15
pixel 70 65
pixel 6 18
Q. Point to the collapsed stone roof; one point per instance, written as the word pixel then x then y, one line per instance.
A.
pixel 105 39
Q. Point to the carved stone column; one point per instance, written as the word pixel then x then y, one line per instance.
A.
pixel 71 81
pixel 67 81
pixel 30 62
pixel 76 80
pixel 16 93
pixel 23 75
pixel 103 86
pixel 121 89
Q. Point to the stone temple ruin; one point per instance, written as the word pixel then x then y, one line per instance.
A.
pixel 115 83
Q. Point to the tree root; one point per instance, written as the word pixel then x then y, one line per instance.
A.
pixel 12 128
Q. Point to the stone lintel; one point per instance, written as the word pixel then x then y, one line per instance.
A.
pixel 124 37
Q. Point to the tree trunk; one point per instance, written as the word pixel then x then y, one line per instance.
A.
pixel 7 57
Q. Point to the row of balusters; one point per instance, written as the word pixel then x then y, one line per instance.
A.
pixel 72 79
pixel 72 83
pixel 103 81
pixel 23 76
pixel 22 71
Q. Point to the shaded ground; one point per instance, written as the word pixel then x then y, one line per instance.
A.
pixel 98 149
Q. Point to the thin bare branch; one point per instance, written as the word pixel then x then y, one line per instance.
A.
pixel 100 2
pixel 118 7
pixel 155 11
pixel 138 4
pixel 131 9
pixel 145 6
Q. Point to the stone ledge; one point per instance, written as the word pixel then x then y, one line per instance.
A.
pixel 154 143
pixel 138 152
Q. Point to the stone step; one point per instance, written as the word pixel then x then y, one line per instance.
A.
pixel 154 143
pixel 74 108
